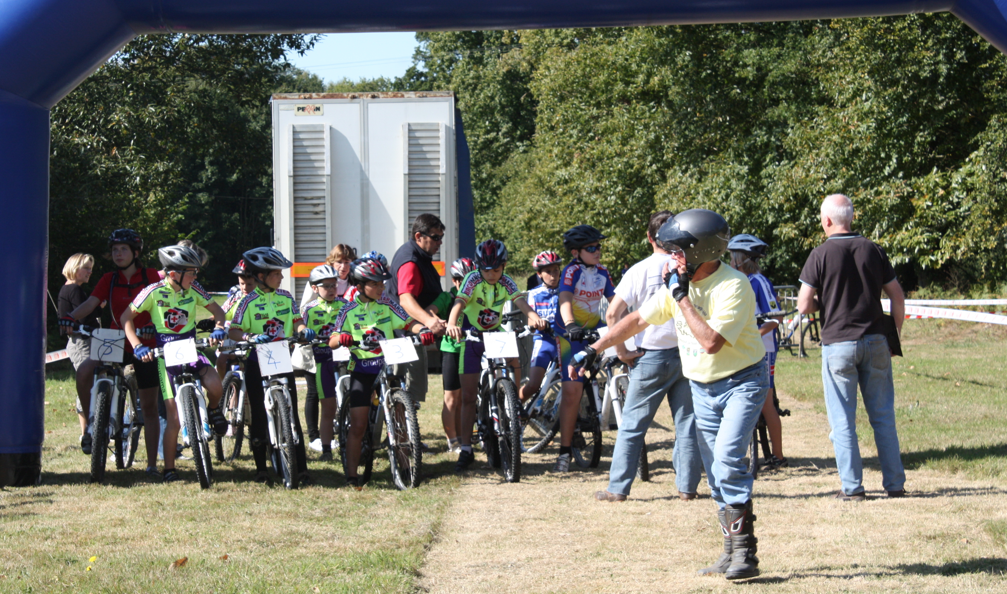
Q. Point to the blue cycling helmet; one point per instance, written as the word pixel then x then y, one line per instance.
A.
pixel 373 255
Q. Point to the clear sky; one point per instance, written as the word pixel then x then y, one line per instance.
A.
pixel 358 55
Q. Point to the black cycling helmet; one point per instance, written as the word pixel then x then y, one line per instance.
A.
pixel 581 235
pixel 128 237
pixel 179 257
pixel 749 244
pixel 368 269
pixel 241 268
pixel 490 254
pixel 702 234
pixel 263 259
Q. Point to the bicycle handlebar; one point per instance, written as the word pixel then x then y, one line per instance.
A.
pixel 763 318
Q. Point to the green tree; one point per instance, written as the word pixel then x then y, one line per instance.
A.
pixel 171 137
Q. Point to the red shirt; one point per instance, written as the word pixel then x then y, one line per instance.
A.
pixel 125 291
pixel 409 279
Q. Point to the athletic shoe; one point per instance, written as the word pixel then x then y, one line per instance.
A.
pixel 85 443
pixel 454 445
pixel 562 464
pixel 316 444
pixel 325 457
pixel 170 476
pixel 609 497
pixel 304 479
pixel 686 496
pixel 859 496
pixel 153 474
pixel 899 493
pixel 775 463
pixel 465 459
pixel 353 481
pixel 218 421
pixel 263 477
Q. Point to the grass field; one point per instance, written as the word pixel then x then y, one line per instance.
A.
pixel 476 534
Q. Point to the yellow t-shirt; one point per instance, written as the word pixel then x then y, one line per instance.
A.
pixel 726 301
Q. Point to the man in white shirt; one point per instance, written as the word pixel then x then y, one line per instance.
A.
pixel 658 371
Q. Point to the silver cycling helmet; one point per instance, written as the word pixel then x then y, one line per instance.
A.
pixel 748 243
pixel 177 257
pixel 261 259
pixel 374 255
pixel 320 273
pixel 702 234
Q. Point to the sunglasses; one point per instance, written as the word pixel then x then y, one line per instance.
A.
pixel 433 237
pixel 328 286
pixel 591 249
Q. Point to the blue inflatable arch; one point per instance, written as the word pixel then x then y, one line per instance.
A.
pixel 50 46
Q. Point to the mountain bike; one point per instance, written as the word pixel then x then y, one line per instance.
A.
pixel 115 409
pixel 760 437
pixel 191 403
pixel 587 432
pixel 234 405
pixel 613 403
pixel 498 412
pixel 542 411
pixel 391 407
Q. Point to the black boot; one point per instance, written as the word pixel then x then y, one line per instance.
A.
pixel 744 563
pixel 721 564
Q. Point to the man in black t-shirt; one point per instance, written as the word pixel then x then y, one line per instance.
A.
pixel 843 278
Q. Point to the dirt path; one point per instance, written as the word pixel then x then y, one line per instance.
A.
pixel 547 534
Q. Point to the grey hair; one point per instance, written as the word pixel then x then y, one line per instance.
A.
pixel 839 208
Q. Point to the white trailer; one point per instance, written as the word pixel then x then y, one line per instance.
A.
pixel 357 168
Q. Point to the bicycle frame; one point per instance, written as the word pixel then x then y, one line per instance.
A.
pixel 187 380
pixel 276 387
pixel 608 405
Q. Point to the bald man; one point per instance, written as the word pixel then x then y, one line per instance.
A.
pixel 843 278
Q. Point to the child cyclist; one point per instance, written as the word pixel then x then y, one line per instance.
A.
pixel 320 316
pixel 746 250
pixel 371 315
pixel 171 304
pixel 268 313
pixel 451 413
pixel 246 284
pixel 478 305
pixel 544 299
pixel 583 283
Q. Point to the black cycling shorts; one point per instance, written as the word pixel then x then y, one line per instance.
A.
pixel 361 388
pixel 449 371
pixel 147 375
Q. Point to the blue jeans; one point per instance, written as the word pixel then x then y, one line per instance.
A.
pixel 727 411
pixel 866 362
pixel 656 373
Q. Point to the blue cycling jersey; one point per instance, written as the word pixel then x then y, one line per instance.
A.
pixel 545 302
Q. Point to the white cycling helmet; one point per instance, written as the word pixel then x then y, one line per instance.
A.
pixel 177 257
pixel 320 273
pixel 262 259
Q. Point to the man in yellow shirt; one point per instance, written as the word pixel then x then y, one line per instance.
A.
pixel 722 354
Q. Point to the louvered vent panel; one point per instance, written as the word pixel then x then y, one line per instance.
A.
pixel 310 236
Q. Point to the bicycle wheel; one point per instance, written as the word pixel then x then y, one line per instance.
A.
pixel 287 453
pixel 99 438
pixel 405 458
pixel 541 426
pixel 366 446
pixel 587 436
pixel 120 439
pixel 487 434
pixel 510 430
pixel 809 336
pixel 132 429
pixel 197 439
pixel 643 466
pixel 753 454
pixel 228 446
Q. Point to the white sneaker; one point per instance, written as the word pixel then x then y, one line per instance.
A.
pixel 316 445
pixel 562 464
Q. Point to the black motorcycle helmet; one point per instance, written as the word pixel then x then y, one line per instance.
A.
pixel 702 234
